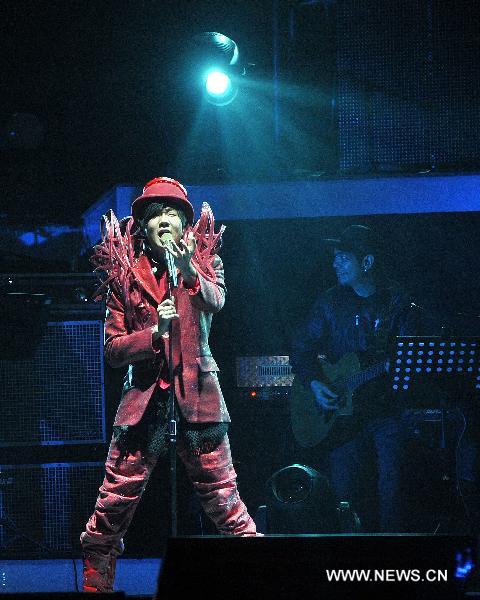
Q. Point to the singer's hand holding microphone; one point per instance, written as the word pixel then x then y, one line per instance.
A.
pixel 166 313
pixel 182 255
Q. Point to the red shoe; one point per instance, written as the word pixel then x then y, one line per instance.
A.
pixel 98 572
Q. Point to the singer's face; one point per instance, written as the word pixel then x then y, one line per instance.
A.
pixel 167 221
pixel 347 267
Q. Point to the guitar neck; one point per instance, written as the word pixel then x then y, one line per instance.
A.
pixel 368 374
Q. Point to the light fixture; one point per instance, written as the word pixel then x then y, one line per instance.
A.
pixel 219 65
pixel 300 500
pixel 217 83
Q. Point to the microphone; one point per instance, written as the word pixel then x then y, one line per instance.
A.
pixel 167 239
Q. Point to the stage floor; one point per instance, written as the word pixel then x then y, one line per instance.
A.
pixel 135 577
pixel 426 566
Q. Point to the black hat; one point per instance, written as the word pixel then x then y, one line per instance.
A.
pixel 358 239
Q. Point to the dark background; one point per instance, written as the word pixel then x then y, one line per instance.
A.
pixel 103 86
pixel 97 93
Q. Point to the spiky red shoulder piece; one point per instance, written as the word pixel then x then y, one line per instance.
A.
pixel 114 257
pixel 208 242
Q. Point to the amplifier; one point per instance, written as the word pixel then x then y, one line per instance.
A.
pixel 263 371
pixel 71 295
pixel 260 430
pixel 54 393
pixel 44 508
pixel 264 394
pixel 434 427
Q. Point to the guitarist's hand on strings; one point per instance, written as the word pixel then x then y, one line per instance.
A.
pixel 324 395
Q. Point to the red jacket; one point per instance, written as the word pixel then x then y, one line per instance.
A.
pixel 128 341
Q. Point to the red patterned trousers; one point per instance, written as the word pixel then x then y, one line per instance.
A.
pixel 214 480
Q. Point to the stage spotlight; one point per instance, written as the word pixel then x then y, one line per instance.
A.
pixel 217 83
pixel 299 500
pixel 218 61
pixel 219 88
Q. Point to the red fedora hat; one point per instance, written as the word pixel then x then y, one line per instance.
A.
pixel 166 188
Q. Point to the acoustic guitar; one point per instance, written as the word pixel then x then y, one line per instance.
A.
pixel 311 424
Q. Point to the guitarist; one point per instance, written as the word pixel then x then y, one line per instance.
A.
pixel 363 452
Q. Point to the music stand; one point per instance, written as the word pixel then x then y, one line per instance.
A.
pixel 451 363
pixel 450 366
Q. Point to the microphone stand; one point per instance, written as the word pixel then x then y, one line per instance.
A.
pixel 171 420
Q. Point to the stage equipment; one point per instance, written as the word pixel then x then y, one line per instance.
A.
pixel 445 371
pixel 23 318
pixel 298 567
pixel 451 363
pixel 43 507
pixel 260 430
pixel 424 127
pixel 71 295
pixel 171 432
pixel 54 394
pixel 263 371
pixel 52 358
pixel 299 499
pixel 217 56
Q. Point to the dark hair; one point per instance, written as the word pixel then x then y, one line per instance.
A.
pixel 155 208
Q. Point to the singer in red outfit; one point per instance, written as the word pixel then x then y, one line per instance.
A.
pixel 140 308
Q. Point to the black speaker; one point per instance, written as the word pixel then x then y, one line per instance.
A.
pixel 23 318
pixel 54 395
pixel 329 566
pixel 44 508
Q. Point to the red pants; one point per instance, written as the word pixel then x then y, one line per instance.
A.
pixel 212 475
